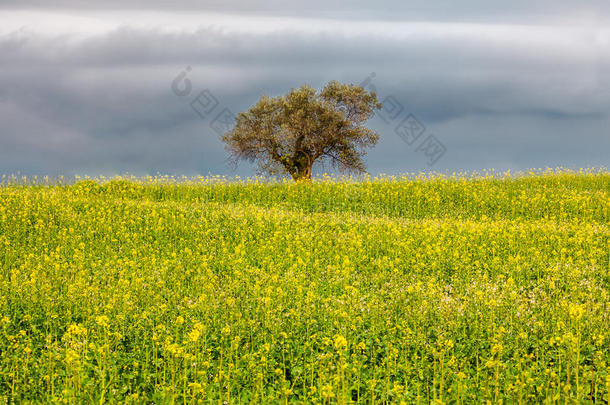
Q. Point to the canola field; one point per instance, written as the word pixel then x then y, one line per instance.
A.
pixel 424 289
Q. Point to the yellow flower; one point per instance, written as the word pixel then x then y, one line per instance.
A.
pixel 340 342
pixel 327 391
pixel 102 321
pixel 194 335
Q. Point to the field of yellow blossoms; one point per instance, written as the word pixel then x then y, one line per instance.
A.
pixel 423 289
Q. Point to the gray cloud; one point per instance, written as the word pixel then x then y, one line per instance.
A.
pixel 101 103
pixel 522 11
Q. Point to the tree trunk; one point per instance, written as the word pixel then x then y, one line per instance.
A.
pixel 302 174
pixel 301 167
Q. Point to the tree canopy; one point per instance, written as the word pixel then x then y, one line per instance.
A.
pixel 288 134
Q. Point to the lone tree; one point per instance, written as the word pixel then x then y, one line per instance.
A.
pixel 289 134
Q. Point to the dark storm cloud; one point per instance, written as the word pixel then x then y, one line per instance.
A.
pixel 496 95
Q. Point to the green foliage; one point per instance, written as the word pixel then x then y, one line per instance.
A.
pixel 435 289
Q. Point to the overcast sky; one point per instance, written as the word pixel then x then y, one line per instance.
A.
pixel 95 87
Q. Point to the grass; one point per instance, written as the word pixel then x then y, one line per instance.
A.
pixel 444 289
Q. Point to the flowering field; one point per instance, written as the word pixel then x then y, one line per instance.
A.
pixel 439 289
